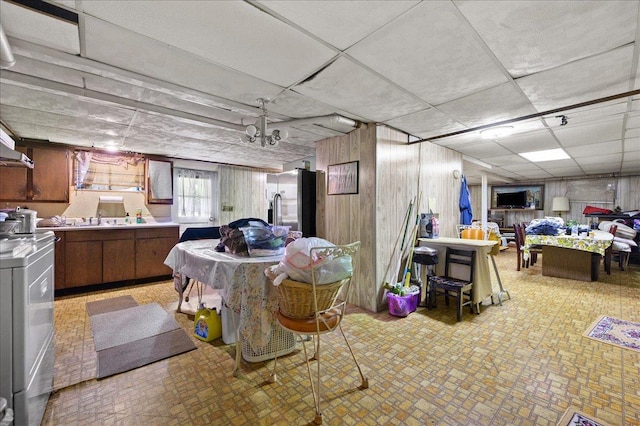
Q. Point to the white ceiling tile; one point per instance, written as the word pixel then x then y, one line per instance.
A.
pixel 73 106
pixel 632 134
pixel 531 36
pixel 157 124
pixel 605 111
pixel 479 150
pixel 631 162
pixel 66 122
pixel 496 104
pixel 585 80
pixel 431 52
pixel 504 160
pixel 564 171
pixel 632 144
pixel 230 33
pixel 600 159
pixel 602 168
pixel 348 86
pixel 294 105
pixel 40 69
pixel 340 24
pixel 419 123
pixel 590 133
pixel 595 149
pixel 149 57
pixel 530 141
pixel 25 24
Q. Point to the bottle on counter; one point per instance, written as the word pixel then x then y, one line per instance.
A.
pixel 139 216
pixel 126 218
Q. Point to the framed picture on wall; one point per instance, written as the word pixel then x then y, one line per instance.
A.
pixel 342 178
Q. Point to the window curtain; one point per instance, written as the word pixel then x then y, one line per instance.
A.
pixel 195 193
pixel 121 172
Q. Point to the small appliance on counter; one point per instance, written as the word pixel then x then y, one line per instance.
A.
pixel 26 219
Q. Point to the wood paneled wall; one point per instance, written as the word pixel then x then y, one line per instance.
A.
pixel 603 192
pixel 244 190
pixel 391 174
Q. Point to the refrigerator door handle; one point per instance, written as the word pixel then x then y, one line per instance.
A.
pixel 277 207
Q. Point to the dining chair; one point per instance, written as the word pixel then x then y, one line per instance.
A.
pixel 457 281
pixel 520 237
pixel 517 235
pixel 314 309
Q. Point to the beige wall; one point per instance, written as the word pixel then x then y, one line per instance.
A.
pixel 392 173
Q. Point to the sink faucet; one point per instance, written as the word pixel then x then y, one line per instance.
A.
pixel 99 218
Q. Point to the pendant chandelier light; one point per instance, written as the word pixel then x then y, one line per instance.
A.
pixel 259 130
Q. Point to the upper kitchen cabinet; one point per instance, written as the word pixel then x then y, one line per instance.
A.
pixel 48 181
pixel 159 181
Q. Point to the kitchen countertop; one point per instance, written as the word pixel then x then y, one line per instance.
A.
pixel 106 226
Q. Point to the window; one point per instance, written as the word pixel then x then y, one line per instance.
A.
pixel 108 172
pixel 196 195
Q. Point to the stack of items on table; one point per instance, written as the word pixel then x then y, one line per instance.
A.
pixel 628 222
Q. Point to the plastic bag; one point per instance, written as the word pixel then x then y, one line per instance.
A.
pixel 297 262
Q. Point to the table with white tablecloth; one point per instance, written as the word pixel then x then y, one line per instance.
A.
pixel 245 288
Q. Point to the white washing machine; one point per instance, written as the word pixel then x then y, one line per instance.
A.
pixel 26 325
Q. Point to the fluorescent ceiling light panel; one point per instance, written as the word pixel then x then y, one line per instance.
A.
pixel 545 155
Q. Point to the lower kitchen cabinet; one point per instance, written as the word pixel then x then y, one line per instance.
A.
pixel 88 257
pixel 152 248
pixel 83 263
pixel 118 263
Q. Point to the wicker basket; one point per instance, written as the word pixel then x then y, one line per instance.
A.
pixel 295 299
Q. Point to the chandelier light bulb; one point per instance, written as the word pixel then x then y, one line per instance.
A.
pixel 251 130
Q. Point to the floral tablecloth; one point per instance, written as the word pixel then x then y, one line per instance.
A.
pixel 245 288
pixel 596 244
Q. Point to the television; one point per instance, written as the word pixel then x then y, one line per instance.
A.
pixel 511 200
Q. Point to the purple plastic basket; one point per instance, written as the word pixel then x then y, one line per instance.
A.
pixel 401 306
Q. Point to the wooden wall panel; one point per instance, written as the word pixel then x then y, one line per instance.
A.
pixel 397 169
pixel 392 173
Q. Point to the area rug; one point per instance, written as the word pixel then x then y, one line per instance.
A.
pixel 131 337
pixel 573 417
pixel 109 305
pixel 614 331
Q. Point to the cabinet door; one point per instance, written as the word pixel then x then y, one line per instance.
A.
pixel 83 264
pixel 13 181
pixel 50 174
pixel 150 256
pixel 118 260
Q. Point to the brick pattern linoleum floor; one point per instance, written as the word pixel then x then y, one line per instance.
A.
pixel 523 363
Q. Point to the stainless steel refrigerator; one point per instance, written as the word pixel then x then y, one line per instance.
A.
pixel 292 200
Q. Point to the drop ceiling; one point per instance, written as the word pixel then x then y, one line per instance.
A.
pixel 181 78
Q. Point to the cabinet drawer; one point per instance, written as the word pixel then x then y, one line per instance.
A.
pixel 101 235
pixel 164 232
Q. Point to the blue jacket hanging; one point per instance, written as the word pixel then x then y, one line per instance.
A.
pixel 466 213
